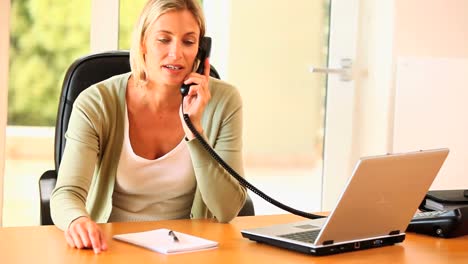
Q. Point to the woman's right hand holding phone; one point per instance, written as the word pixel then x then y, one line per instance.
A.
pixel 85 233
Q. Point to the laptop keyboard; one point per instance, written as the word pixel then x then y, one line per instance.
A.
pixel 306 236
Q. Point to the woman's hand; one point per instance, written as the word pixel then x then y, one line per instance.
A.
pixel 195 101
pixel 85 233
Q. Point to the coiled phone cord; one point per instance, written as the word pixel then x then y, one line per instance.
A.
pixel 239 178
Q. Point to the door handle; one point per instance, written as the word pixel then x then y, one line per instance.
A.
pixel 345 71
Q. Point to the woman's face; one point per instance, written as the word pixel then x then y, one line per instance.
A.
pixel 170 48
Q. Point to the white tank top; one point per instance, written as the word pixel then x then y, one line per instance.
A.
pixel 149 190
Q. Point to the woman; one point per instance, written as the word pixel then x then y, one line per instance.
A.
pixel 129 155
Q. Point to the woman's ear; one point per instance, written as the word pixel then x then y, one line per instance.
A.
pixel 143 48
pixel 196 63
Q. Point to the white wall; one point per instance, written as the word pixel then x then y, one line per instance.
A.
pixel 431 112
pixel 431 74
pixel 436 28
pixel 392 30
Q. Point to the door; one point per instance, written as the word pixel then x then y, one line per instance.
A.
pixel 297 131
pixel 339 118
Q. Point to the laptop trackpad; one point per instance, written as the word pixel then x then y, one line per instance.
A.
pixel 311 224
pixel 307 226
pixel 296 227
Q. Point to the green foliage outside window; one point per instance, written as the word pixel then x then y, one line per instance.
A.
pixel 129 12
pixel 46 36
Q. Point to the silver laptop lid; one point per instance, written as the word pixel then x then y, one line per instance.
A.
pixel 382 195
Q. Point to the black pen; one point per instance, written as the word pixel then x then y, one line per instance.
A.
pixel 173 235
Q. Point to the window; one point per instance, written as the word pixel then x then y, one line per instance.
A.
pixel 129 12
pixel 45 38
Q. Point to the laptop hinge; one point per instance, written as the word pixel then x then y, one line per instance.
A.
pixel 394 232
pixel 327 242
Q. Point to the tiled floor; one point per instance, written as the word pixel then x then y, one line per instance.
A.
pixel 296 188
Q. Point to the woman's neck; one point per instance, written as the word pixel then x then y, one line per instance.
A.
pixel 152 97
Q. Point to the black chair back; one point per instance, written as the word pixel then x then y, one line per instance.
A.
pixel 83 73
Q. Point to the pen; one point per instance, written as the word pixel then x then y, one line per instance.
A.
pixel 173 235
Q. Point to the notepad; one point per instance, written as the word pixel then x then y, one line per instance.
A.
pixel 161 241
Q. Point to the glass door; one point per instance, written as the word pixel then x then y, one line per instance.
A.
pixel 339 151
pixel 266 49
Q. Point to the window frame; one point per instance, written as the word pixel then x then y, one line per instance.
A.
pixel 4 58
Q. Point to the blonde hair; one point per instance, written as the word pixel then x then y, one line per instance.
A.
pixel 152 10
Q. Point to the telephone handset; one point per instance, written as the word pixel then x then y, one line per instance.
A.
pixel 203 52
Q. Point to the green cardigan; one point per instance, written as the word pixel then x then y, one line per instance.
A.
pixel 87 172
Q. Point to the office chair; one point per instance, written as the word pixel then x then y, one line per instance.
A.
pixel 80 75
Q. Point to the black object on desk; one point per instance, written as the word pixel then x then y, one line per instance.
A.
pixel 445 214
pixel 444 200
pixel 446 223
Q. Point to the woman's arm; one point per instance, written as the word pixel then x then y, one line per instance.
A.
pixel 222 194
pixel 68 201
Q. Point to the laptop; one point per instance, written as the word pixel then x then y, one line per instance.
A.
pixel 374 210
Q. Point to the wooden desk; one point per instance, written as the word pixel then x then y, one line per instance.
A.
pixel 46 244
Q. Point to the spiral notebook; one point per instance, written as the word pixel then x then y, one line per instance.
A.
pixel 167 241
